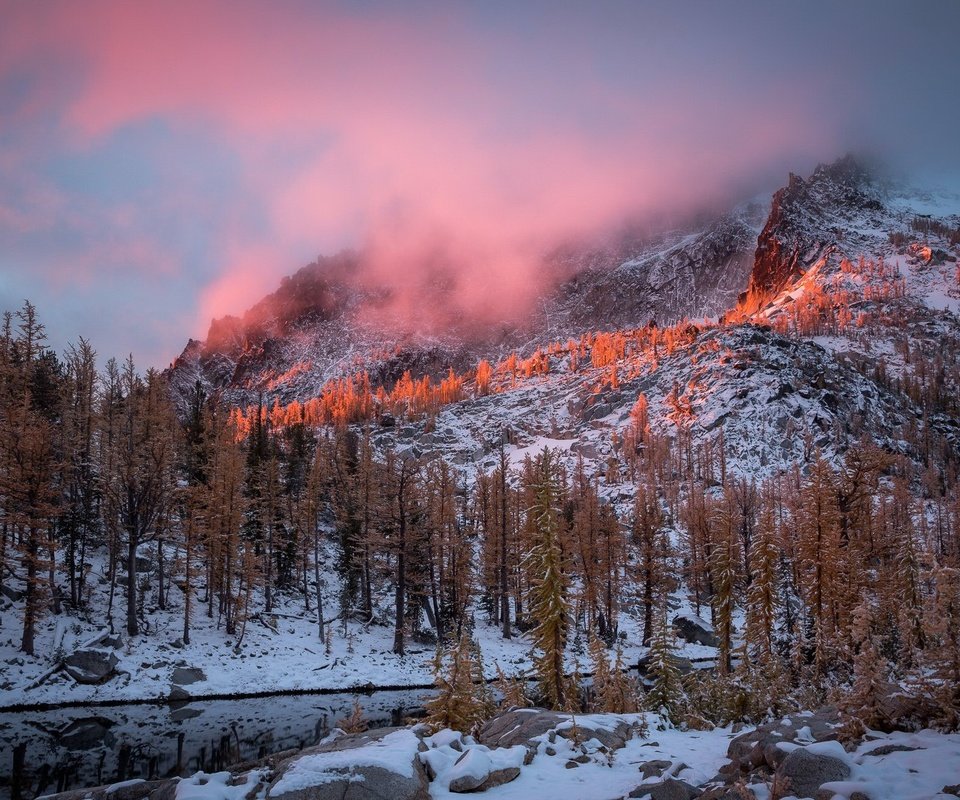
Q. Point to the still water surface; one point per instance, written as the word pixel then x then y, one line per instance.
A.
pixel 51 751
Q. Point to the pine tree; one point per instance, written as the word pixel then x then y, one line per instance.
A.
pixel 462 701
pixel 864 699
pixel 666 695
pixel 613 691
pixel 762 595
pixel 942 655
pixel 511 691
pixel 548 597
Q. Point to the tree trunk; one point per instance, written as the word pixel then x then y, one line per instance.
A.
pixel 133 627
pixel 30 599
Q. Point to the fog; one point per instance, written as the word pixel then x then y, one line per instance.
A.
pixel 163 164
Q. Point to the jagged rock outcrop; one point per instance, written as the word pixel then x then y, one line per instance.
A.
pixel 798 231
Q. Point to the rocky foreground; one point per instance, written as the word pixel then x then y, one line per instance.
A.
pixel 531 753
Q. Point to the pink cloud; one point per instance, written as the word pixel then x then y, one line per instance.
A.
pixel 411 147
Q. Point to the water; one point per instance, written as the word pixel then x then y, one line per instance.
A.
pixel 42 752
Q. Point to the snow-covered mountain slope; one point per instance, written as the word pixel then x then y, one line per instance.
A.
pixel 850 307
pixel 325 322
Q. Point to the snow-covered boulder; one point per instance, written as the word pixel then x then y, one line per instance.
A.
pixel 479 769
pixel 761 746
pixel 519 726
pixel 184 676
pixel 91 665
pixel 803 771
pixel 377 765
pixel 695 630
pixel 670 789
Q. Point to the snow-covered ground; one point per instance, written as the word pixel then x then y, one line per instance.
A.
pixel 278 653
pixel 556 764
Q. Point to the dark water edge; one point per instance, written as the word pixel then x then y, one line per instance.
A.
pixel 47 750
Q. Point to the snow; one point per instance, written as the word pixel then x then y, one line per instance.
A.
pixel 603 775
pixel 917 774
pixel 116 787
pixel 394 752
pixel 215 786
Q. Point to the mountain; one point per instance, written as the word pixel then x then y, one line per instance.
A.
pixel 326 322
pixel 834 310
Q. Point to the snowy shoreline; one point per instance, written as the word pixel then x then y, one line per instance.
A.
pixel 365 689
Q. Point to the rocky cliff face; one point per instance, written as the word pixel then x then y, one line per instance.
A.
pixel 800 229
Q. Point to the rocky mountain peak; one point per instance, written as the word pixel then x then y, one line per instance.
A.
pixel 798 232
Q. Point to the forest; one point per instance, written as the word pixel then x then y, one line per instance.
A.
pixel 832 581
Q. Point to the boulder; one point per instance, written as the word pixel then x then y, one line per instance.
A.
pixel 654 769
pixel 519 726
pixel 695 630
pixel 670 789
pixel 377 765
pixel 470 770
pixel 11 594
pixel 611 737
pixel 475 771
pixel 802 772
pixel 137 789
pixel 683 665
pixel 91 665
pixel 759 746
pixel 184 676
pixel 84 734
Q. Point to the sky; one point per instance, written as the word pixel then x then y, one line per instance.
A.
pixel 165 163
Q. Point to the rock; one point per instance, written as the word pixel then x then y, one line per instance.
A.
pixel 571 765
pixel 115 641
pixel 91 665
pixel 891 748
pixel 802 773
pixel 670 789
pixel 11 594
pixel 597 411
pixel 323 772
pixel 474 772
pixel 585 449
pixel 654 769
pixel 953 789
pixel 144 564
pixel 498 777
pixel 470 770
pixel 136 789
pixel 184 676
pixel 612 739
pixel 683 665
pixel 83 734
pixel 178 694
pixel 759 746
pixel 519 726
pixel 695 630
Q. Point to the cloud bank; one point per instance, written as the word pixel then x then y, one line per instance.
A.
pixel 165 163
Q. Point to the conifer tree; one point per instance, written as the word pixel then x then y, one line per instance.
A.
pixel 548 597
pixel 666 695
pixel 511 691
pixel 462 701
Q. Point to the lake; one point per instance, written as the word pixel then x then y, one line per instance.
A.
pixel 72 748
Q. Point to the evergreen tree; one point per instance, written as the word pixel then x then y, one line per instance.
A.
pixel 666 695
pixel 462 701
pixel 548 597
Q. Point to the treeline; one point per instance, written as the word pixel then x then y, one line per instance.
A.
pixel 356 400
pixel 830 574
